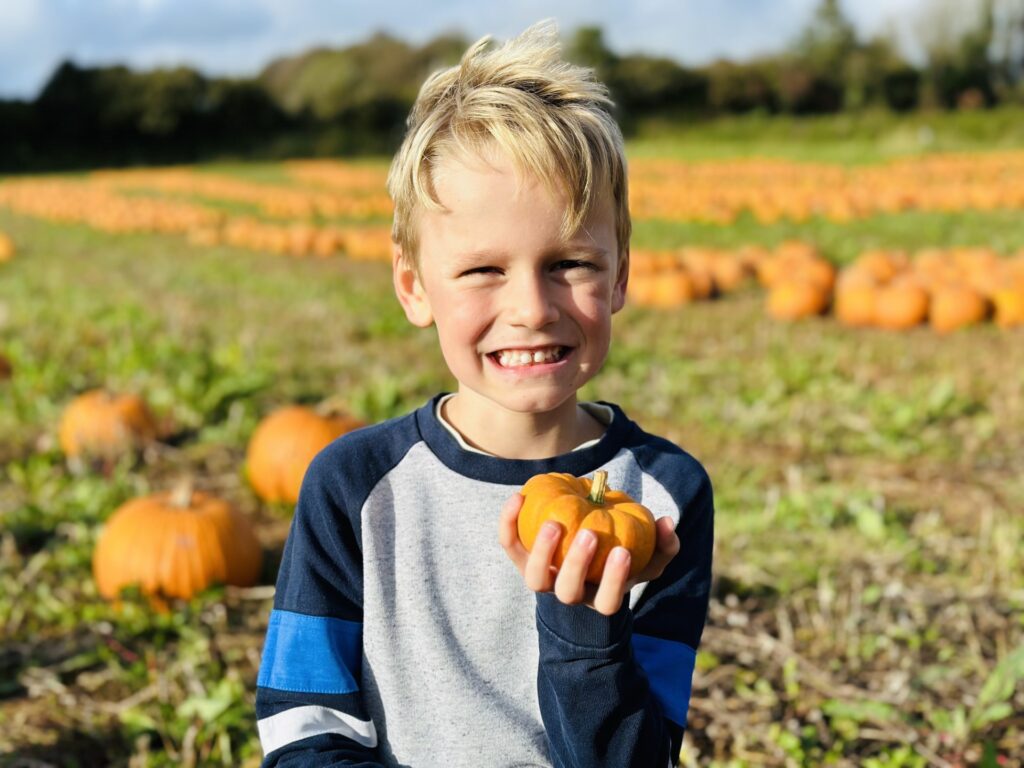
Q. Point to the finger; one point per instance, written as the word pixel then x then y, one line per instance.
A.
pixel 570 584
pixel 538 571
pixel 508 531
pixel 668 541
pixel 665 549
pixel 614 582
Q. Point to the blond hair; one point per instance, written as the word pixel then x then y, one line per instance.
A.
pixel 549 117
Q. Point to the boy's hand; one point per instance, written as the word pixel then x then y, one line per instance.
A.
pixel 568 582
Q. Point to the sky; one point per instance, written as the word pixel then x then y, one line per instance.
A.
pixel 238 37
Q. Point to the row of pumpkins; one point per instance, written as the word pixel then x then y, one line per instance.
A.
pixel 345 192
pixel 101 207
pixel 772 190
pixel 176 543
pixel 947 288
pixel 365 243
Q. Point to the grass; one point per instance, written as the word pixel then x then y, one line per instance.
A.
pixel 869 492
pixel 847 138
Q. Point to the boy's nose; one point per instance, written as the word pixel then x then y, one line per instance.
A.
pixel 531 304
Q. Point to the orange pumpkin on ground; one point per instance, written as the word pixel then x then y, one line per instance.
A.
pixel 175 544
pixel 283 445
pixel 855 302
pixel 955 307
pixel 793 299
pixel 881 265
pixel 728 273
pixel 7 248
pixel 576 503
pixel 674 288
pixel 100 424
pixel 817 271
pixel 641 288
pixel 901 305
pixel 1009 306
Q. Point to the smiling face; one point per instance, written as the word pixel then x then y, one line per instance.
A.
pixel 503 287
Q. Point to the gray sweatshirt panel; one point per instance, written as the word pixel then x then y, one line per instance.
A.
pixel 449 637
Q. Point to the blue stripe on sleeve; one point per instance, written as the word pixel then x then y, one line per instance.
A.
pixel 311 654
pixel 669 669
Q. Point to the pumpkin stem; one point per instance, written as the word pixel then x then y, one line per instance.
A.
pixel 181 496
pixel 599 487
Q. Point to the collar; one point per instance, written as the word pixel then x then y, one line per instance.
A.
pixel 494 469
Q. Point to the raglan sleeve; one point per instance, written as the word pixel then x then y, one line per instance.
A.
pixel 309 705
pixel 615 691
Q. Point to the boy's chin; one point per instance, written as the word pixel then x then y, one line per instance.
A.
pixel 532 402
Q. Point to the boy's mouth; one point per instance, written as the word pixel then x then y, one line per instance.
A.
pixel 523 358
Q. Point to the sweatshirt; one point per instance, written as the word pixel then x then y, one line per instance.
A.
pixel 402 635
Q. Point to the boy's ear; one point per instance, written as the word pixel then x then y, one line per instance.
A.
pixel 409 289
pixel 621 281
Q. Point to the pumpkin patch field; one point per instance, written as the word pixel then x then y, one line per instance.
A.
pixel 837 335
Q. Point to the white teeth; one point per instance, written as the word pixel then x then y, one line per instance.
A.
pixel 514 358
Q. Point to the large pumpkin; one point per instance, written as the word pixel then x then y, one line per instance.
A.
pixel 576 503
pixel 175 544
pixel 284 444
pixel 101 424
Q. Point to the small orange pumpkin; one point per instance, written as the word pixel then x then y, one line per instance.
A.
pixel 855 302
pixel 796 298
pixel 818 271
pixel 956 306
pixel 881 265
pixel 284 444
pixel 901 305
pixel 175 544
pixel 576 503
pixel 728 272
pixel 7 248
pixel 1009 306
pixel 675 288
pixel 98 423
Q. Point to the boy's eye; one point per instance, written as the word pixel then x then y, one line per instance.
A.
pixel 574 263
pixel 563 264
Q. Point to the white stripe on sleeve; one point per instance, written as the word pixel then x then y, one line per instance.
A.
pixel 297 723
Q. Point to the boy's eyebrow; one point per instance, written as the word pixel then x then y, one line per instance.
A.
pixel 475 257
pixel 593 250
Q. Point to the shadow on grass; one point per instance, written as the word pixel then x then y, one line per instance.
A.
pixel 74 749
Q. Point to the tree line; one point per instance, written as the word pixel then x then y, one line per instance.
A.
pixel 354 100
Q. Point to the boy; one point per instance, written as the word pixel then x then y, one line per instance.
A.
pixel 401 634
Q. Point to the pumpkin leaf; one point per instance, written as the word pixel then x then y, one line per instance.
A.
pixel 860 711
pixel 136 720
pixel 993 701
pixel 209 708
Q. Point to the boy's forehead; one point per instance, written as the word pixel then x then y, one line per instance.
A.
pixel 461 176
pixel 464 180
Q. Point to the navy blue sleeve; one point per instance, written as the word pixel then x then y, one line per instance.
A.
pixel 615 691
pixel 309 705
